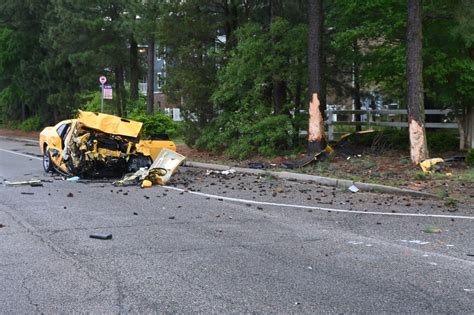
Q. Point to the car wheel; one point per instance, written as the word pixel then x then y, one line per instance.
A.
pixel 47 163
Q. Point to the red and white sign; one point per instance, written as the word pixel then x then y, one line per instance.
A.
pixel 107 92
pixel 102 79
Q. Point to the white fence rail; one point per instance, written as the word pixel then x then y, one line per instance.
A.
pixel 382 117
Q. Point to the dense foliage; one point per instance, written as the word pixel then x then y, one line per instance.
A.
pixel 238 68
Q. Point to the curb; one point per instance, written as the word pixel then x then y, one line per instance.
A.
pixel 326 181
pixel 19 139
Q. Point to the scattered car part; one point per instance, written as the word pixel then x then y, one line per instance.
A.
pixel 168 161
pixel 101 236
pixel 353 188
pixel 430 166
pixel 32 183
pixel 318 156
pixel 159 172
pixel 146 183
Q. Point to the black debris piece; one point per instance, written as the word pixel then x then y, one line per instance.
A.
pixel 257 165
pixel 101 236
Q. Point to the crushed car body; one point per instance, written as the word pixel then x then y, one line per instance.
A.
pixel 98 145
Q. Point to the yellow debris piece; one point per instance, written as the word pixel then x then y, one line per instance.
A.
pixel 146 183
pixel 432 165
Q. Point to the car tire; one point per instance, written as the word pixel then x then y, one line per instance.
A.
pixel 47 162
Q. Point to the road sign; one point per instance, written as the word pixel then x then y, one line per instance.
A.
pixel 102 79
pixel 107 92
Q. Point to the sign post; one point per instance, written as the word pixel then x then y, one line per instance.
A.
pixel 102 80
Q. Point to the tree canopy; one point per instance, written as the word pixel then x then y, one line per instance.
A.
pixel 237 68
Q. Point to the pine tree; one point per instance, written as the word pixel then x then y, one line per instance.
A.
pixel 416 124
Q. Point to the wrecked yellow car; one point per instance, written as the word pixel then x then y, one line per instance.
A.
pixel 98 145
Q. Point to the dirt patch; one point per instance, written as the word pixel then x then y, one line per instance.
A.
pixel 389 167
pixel 19 134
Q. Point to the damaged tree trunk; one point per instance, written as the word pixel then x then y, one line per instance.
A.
pixel 415 106
pixel 316 139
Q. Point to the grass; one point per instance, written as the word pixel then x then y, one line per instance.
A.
pixel 451 202
pixel 442 192
pixel 467 176
pixel 404 161
pixel 268 176
pixel 419 175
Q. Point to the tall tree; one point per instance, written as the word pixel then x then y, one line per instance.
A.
pixel 134 69
pixel 150 77
pixel 316 140
pixel 315 50
pixel 415 105
pixel 21 93
pixel 191 58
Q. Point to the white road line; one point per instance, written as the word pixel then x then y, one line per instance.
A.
pixel 21 154
pixel 295 206
pixel 321 208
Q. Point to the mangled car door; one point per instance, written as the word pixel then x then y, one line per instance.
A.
pixel 58 148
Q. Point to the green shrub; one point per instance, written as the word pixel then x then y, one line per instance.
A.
pixel 240 138
pixel 470 157
pixel 32 123
pixel 92 103
pixel 440 141
pixel 190 133
pixel 156 123
pixel 240 150
pixel 418 175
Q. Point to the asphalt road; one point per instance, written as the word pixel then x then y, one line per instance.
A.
pixel 225 243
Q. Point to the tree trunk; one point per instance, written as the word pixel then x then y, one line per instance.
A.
pixel 415 106
pixel 133 69
pixel 466 129
pixel 297 99
pixel 150 81
pixel 278 86
pixel 231 18
pixel 119 90
pixel 315 56
pixel 316 139
pixel 462 132
pixel 23 111
pixel 279 96
pixel 356 88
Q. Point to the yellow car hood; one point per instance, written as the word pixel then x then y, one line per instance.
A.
pixel 110 124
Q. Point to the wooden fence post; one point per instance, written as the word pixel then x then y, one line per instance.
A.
pixel 329 113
